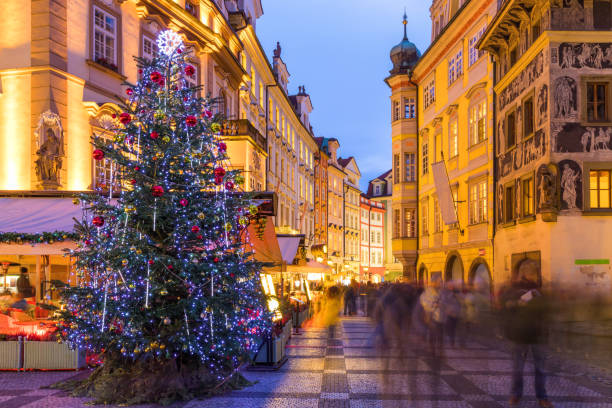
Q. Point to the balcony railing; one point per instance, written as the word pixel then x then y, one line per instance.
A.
pixel 242 127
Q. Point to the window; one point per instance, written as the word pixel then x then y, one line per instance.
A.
pixel 105 39
pixel 478 202
pixel 475 53
pixel 396 224
pixel 396 110
pixel 149 47
pixel 453 136
pixel 478 122
pixel 597 101
pixel 192 8
pixel 396 169
pixel 377 190
pixel 429 94
pixel 527 200
pixel 409 108
pixel 528 117
pixel 455 67
pixel 509 200
pixel 409 222
pixel 437 217
pixel 511 130
pixel 599 189
pixel 425 153
pixel 424 221
pixel 410 167
pixel 261 95
pixel 602 14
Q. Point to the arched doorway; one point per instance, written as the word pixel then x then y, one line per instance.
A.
pixel 454 268
pixel 480 277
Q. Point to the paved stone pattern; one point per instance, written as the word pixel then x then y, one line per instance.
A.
pixel 348 371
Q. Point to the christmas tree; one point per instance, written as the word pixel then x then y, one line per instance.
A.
pixel 167 293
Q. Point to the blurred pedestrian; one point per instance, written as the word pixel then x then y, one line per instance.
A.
pixel 451 308
pixel 24 288
pixel 349 299
pixel 331 309
pixel 434 315
pixel 525 318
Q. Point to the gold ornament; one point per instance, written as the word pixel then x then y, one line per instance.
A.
pixel 167 320
pixel 163 292
pixel 124 262
pixel 215 127
pixel 136 350
pixel 253 209
pixel 138 252
pixel 201 216
pixel 162 346
pixel 123 350
pixel 165 139
pixel 129 208
pixel 228 226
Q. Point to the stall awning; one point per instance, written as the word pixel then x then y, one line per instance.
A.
pixel 310 267
pixel 288 246
pixel 266 247
pixel 37 215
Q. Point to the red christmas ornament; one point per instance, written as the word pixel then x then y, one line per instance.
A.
pixel 151 262
pixel 157 191
pixel 170 267
pixel 113 116
pixel 155 76
pixel 136 168
pixel 98 154
pixel 189 70
pixel 199 237
pixel 87 242
pixel 154 135
pixel 222 147
pixel 218 180
pixel 133 181
pixel 219 172
pixel 185 99
pixel 129 91
pixel 195 229
pixel 191 120
pixel 207 114
pixel 232 275
pixel 229 185
pixel 184 202
pixel 140 71
pixel 125 118
pixel 162 82
pixel 97 221
pixel 215 259
pixel 179 51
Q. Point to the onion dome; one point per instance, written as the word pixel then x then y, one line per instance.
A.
pixel 404 55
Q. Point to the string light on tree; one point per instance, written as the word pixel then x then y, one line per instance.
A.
pixel 167 288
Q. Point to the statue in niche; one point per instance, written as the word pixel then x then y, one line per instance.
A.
pixel 568 182
pixel 547 192
pixel 587 139
pixel 543 104
pixel 567 60
pixel 50 151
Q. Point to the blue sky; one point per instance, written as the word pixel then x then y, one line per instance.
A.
pixel 339 49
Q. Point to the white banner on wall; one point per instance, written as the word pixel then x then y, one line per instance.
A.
pixel 445 196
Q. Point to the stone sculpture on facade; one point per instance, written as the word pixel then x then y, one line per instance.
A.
pixel 569 181
pixel 565 97
pixel 50 153
pixel 547 192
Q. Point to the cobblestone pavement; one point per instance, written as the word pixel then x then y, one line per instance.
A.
pixel 348 371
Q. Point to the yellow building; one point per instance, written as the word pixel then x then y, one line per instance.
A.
pixel 62 68
pixel 553 144
pixel 404 56
pixel 455 161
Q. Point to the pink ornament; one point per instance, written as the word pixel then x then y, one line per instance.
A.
pixel 184 202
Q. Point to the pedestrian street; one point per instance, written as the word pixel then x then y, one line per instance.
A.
pixel 349 371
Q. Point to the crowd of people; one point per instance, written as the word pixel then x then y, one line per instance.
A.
pixel 445 315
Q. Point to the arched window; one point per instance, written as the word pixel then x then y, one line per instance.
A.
pixel 222 103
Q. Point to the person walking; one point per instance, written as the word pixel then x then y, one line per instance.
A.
pixel 24 288
pixel 434 315
pixel 525 317
pixel 452 311
pixel 331 310
pixel 349 300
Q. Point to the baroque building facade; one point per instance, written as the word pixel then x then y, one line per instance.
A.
pixel 372 242
pixel 455 146
pixel 553 149
pixel 63 67
pixel 351 194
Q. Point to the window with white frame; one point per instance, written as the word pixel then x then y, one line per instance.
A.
pixel 478 122
pixel 478 202
pixel 437 216
pixel 429 94
pixel 105 38
pixel 455 67
pixel 425 157
pixel 453 137
pixel 409 108
pixel 475 53
pixel 409 167
pixel 149 47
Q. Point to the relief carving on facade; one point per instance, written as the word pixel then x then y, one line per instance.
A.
pixel 542 104
pixel 576 138
pixel 50 142
pixel 571 185
pixel 565 98
pixel 519 84
pixel 547 191
pixel 569 14
pixel 524 153
pixel 585 55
